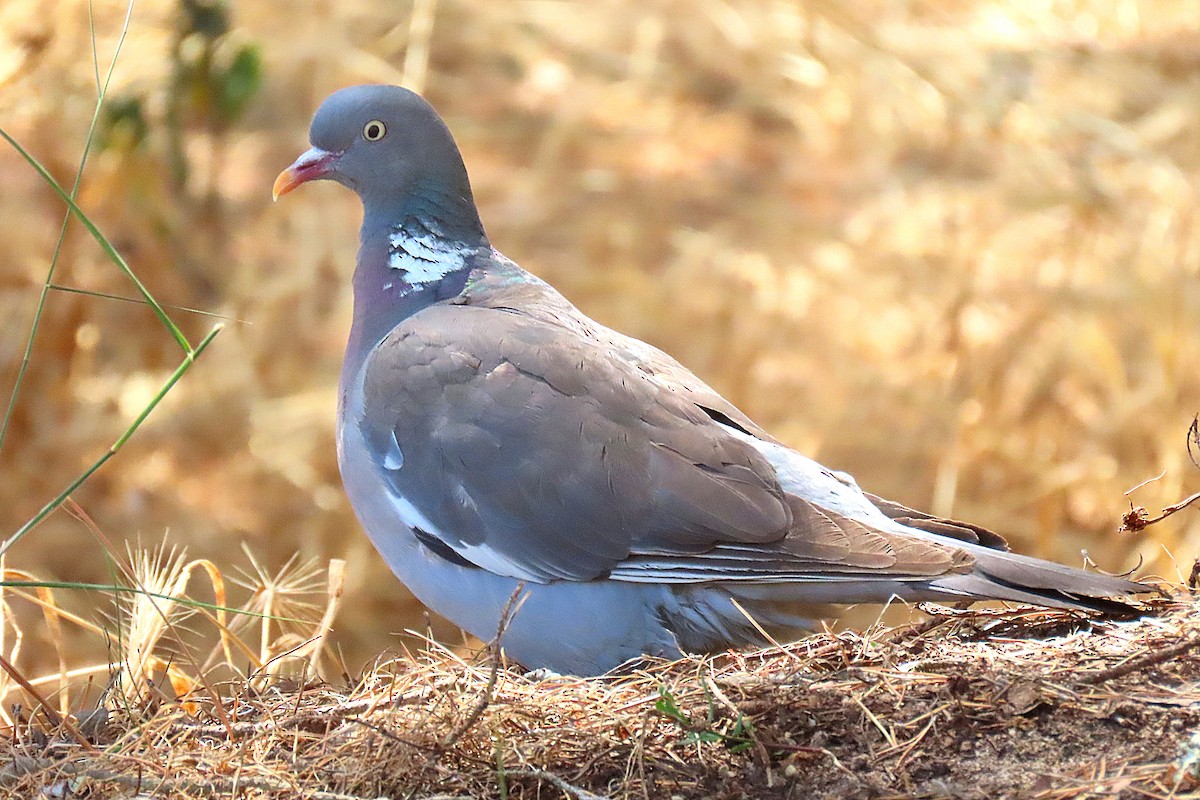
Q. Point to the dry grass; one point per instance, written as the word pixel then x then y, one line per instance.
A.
pixel 949 247
pixel 162 644
pixel 1021 703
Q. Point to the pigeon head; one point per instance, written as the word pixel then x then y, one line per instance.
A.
pixel 388 145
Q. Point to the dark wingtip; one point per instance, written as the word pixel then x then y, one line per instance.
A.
pixel 950 528
pixel 1105 606
pixel 1023 579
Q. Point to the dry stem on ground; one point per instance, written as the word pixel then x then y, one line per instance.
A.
pixel 1021 703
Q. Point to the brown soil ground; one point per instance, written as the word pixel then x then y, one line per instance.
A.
pixel 980 704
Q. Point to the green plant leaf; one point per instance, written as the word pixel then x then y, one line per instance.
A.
pixel 239 83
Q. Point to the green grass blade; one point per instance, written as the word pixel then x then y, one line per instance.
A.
pixel 189 359
pixel 102 240
pixel 101 92
pixel 117 588
pixel 58 287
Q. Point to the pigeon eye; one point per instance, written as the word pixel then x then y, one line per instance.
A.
pixel 374 130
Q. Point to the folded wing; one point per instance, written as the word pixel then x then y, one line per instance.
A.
pixel 531 450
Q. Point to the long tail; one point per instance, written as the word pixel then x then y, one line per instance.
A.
pixel 784 609
pixel 1001 575
pixel 998 575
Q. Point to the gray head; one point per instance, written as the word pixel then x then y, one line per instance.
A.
pixel 389 146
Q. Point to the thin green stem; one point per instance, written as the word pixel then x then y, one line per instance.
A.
pixel 101 92
pixel 58 287
pixel 189 359
pixel 95 50
pixel 121 589
pixel 100 238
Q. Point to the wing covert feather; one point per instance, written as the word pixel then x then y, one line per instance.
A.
pixel 548 447
pixel 521 438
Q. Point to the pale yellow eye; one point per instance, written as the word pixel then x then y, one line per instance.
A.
pixel 374 130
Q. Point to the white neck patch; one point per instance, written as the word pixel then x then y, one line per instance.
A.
pixel 419 251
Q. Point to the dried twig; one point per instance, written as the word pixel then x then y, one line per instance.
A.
pixel 1193 439
pixel 1137 664
pixel 557 782
pixel 56 719
pixel 506 614
pixel 1138 519
pixel 202 787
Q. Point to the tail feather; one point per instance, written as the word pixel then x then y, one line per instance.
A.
pixel 1000 575
pixel 997 575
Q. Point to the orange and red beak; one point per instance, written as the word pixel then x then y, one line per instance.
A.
pixel 312 165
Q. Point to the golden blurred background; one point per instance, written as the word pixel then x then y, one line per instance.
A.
pixel 950 247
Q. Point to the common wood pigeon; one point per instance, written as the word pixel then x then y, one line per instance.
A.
pixel 489 434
